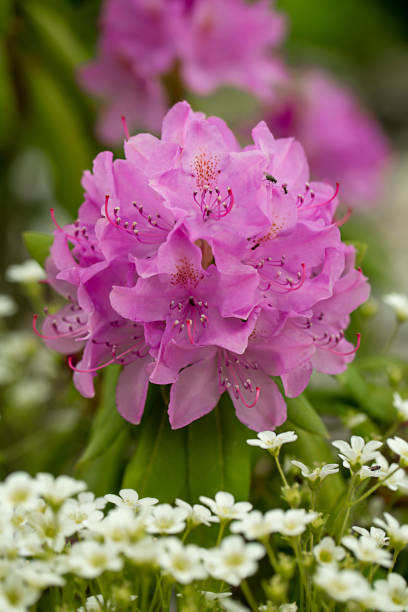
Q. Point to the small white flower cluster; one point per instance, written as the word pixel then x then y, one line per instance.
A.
pixel 357 454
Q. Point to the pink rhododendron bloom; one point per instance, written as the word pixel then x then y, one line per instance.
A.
pixel 342 141
pixel 197 263
pixel 212 43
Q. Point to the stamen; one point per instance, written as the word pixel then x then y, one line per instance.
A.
pixel 344 219
pixel 71 333
pixel 104 365
pixel 355 349
pixel 312 206
pixel 125 127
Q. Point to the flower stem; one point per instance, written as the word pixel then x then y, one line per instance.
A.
pixel 249 596
pixel 271 555
pixel 280 470
pixel 374 488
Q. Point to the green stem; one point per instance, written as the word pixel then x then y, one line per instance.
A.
pixel 374 488
pixel 304 584
pixel 223 524
pixel 392 337
pixel 348 504
pixel 394 559
pixel 280 470
pixel 271 555
pixel 249 596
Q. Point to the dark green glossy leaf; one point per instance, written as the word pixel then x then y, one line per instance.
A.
pixel 302 414
pixel 38 245
pixel 159 466
pixel 218 457
pixel 108 424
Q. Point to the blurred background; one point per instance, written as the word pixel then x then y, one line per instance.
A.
pixel 48 138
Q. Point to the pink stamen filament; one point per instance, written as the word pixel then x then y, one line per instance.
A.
pixel 355 349
pixel 211 202
pixel 71 333
pixel 104 365
pixel 235 388
pixel 292 287
pixel 57 225
pixel 125 127
pixel 312 206
pixel 344 219
pixel 135 232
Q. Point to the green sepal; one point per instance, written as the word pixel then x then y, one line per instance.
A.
pixel 218 457
pixel 303 415
pixel 38 245
pixel 158 467
pixel 108 424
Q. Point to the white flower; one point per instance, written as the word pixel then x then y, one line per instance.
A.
pixel 129 498
pixel 397 533
pixel 197 514
pixel 395 592
pixel 399 303
pixel 144 551
pixel 91 559
pixel 16 595
pixel 342 585
pixel 8 307
pixel 234 560
pixel 357 453
pixel 81 513
pixel 327 553
pixel 256 526
pixel 271 441
pixel 39 574
pixel 401 406
pixel 165 519
pixel 399 447
pixel 184 563
pixel 28 272
pixel 377 534
pixel 47 526
pixel 19 489
pixel 121 527
pixel 367 550
pixel 56 490
pixel 289 607
pixel 394 477
pixel 225 507
pixel 211 596
pixel 318 473
pixel 293 522
pixel 94 602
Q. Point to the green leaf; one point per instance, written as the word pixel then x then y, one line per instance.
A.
pixel 108 424
pixel 218 457
pixel 361 249
pixel 159 466
pixel 103 474
pixel 302 414
pixel 374 400
pixel 52 32
pixel 8 102
pixel 38 245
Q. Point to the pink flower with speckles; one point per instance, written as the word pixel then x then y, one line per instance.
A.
pixel 212 43
pixel 342 141
pixel 197 263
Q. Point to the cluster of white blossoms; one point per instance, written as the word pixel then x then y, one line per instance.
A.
pixel 59 541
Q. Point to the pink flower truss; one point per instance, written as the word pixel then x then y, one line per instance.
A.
pixel 197 263
pixel 214 43
pixel 342 141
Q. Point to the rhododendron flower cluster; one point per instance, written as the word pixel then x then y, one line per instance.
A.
pixel 213 43
pixel 342 141
pixel 197 263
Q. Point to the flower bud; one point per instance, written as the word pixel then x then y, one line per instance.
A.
pixel 292 495
pixel 276 588
pixel 286 565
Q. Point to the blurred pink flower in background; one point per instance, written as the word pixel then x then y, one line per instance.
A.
pixel 210 43
pixel 342 141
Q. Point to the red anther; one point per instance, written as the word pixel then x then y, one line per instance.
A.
pixel 346 217
pixel 57 336
pixel 355 349
pixel 125 127
pixel 257 394
pixel 312 206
